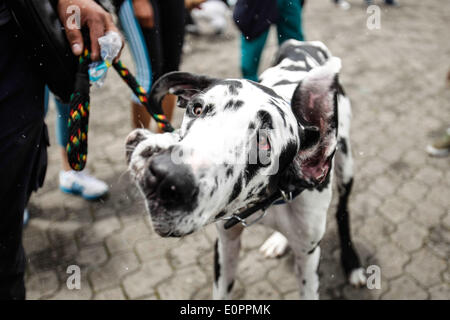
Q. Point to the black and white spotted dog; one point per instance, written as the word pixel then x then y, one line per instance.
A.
pixel 297 119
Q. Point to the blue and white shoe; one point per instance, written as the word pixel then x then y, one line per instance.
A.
pixel 82 184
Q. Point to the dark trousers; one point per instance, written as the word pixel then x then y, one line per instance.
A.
pixel 165 40
pixel 23 158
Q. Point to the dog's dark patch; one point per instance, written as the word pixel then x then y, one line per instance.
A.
pixel 220 214
pixel 188 126
pixel 284 82
pixel 282 114
pixel 216 262
pixel 233 86
pixel 250 171
pixel 229 172
pixel 252 125
pixel 349 257
pixel 265 89
pixel 209 110
pixel 147 152
pixel 287 155
pixel 237 188
pixel 233 105
pixel 342 144
pixel 314 248
pixel 230 286
pixel 293 68
pixel 266 119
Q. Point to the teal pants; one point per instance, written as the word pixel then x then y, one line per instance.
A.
pixel 289 26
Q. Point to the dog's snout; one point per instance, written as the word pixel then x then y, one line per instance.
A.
pixel 176 184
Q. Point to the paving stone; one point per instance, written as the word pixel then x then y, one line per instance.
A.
pixel 84 293
pixel 143 282
pixel 405 288
pixel 127 238
pixel 41 285
pixel 254 267
pixel 376 229
pixel 436 195
pixel 261 290
pixel 186 253
pixel 440 292
pixel 427 213
pixel 98 231
pixel 439 241
pixel 110 294
pixel 446 220
pixel 111 273
pixel 395 209
pixel 293 295
pixel 413 191
pixel 283 277
pixel 429 176
pixel 426 268
pixel 35 242
pixel 185 283
pixel 409 235
pixel 93 256
pixel 391 260
pixel 154 247
pixel 383 186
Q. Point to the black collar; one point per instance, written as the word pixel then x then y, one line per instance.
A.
pixel 278 197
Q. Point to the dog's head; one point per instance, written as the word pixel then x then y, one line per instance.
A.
pixel 238 143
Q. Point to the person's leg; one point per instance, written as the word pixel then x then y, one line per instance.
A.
pixel 136 41
pixel 289 25
pixel 172 21
pixel 251 54
pixel 23 149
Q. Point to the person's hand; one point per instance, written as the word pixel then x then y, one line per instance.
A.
pixel 192 4
pixel 93 16
pixel 143 11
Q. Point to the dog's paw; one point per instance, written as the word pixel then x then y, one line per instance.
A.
pixel 357 278
pixel 275 246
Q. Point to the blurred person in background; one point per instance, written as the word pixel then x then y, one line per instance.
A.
pixel 163 24
pixel 209 18
pixel 254 18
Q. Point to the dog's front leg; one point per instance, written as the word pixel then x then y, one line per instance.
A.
pixel 306 270
pixel 304 234
pixel 226 258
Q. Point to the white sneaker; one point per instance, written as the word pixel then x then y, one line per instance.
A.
pixel 344 5
pixel 83 184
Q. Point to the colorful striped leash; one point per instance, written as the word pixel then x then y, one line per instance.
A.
pixel 78 124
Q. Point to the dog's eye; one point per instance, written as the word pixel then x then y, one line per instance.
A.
pixel 197 109
pixel 263 142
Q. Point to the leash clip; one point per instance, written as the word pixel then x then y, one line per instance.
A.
pixel 243 221
pixel 287 196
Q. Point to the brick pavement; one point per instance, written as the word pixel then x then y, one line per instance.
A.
pixel 400 205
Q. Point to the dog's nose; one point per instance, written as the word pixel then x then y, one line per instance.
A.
pixel 176 186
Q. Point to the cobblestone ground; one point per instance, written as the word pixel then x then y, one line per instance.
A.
pixel 395 77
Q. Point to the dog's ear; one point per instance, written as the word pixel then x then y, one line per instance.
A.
pixel 182 84
pixel 314 104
